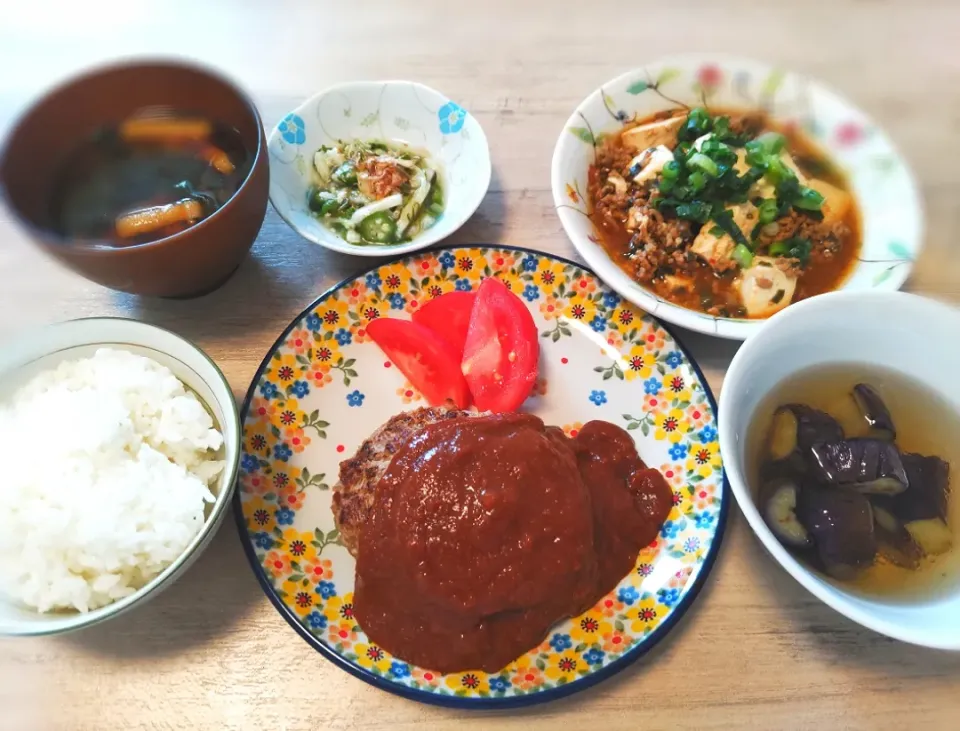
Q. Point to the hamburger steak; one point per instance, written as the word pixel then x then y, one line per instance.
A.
pixel 475 533
pixel 353 495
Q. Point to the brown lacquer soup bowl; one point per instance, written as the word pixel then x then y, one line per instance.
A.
pixel 173 262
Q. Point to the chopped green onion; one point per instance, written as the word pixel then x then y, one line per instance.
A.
pixel 724 220
pixel 682 192
pixel 722 131
pixel 752 176
pixel 698 181
pixel 796 247
pixel 699 161
pixel 698 211
pixel 756 158
pixel 767 211
pixel 724 156
pixel 721 126
pixel 719 152
pixel 808 199
pixel 779 248
pixel 777 172
pixel 771 142
pixel 700 116
pixel 670 171
pixel 698 124
pixel 742 255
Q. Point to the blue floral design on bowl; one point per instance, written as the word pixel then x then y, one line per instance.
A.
pixel 451 117
pixel 378 110
pixel 292 129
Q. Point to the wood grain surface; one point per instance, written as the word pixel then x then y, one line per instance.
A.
pixel 756 651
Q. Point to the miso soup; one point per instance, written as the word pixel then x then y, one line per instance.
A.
pixel 147 178
pixel 851 467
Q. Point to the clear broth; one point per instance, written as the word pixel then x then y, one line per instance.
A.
pixel 925 425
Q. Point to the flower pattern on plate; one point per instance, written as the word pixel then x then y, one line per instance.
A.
pixel 602 358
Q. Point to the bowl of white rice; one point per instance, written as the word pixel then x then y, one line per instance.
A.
pixel 140 444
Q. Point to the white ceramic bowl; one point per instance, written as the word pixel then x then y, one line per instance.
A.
pixel 44 348
pixel 894 330
pixel 393 111
pixel 882 183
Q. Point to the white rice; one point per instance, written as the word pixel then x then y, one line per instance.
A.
pixel 108 462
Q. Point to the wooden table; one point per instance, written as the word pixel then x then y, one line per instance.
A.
pixel 756 651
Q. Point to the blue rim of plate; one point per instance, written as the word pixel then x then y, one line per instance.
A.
pixel 421 696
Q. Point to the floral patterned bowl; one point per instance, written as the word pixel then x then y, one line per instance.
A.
pixel 398 111
pixel 324 388
pixel 888 198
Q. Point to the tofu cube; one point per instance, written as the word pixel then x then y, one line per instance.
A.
pixel 836 202
pixel 765 288
pixel 653 134
pixel 716 249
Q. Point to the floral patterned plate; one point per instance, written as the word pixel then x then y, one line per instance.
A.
pixel 889 202
pixel 397 111
pixel 325 387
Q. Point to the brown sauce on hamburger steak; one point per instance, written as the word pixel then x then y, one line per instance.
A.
pixel 486 531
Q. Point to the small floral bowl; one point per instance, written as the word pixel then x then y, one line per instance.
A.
pixel 397 111
pixel 887 197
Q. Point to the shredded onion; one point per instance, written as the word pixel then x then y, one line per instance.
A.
pixel 391 201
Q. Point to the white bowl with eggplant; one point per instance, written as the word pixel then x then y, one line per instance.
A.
pixel 840 436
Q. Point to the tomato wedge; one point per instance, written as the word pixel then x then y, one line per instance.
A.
pixel 426 359
pixel 448 316
pixel 502 351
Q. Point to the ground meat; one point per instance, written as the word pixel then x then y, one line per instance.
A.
pixel 607 200
pixel 611 155
pixel 826 238
pixel 787 265
pixel 658 245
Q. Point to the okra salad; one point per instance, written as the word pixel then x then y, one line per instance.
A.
pixel 373 193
